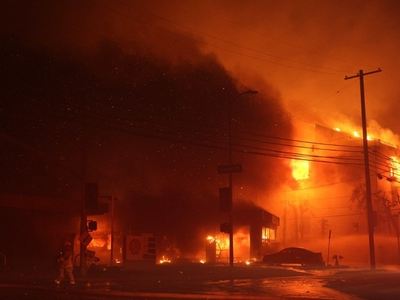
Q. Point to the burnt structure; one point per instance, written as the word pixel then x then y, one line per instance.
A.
pixel 262 226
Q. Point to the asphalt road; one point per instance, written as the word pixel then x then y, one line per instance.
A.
pixel 210 282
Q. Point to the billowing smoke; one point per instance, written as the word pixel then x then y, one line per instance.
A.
pixel 152 81
pixel 155 113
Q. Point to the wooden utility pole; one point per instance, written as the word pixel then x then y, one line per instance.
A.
pixel 370 212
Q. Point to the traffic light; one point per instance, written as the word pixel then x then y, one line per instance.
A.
pixel 225 199
pixel 91 195
pixel 92 225
pixel 225 227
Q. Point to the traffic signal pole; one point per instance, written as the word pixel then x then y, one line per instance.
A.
pixel 370 212
pixel 111 200
pixel 82 231
pixel 230 103
pixel 83 227
pixel 230 184
pixel 112 231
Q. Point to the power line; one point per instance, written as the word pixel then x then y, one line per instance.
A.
pixel 192 135
pixel 197 128
pixel 190 139
pixel 195 136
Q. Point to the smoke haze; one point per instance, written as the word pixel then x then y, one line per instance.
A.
pixel 155 79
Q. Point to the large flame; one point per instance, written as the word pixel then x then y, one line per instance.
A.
pixel 389 140
pixel 241 245
pixel 355 133
pixel 300 169
pixel 394 167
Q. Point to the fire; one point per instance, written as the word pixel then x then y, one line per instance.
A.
pixel 394 167
pixel 300 169
pixel 267 234
pixel 98 243
pixel 355 134
pixel 241 246
pixel 211 239
pixel 164 260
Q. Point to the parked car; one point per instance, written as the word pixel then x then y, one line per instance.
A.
pixel 294 255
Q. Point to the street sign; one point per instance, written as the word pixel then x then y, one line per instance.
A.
pixel 230 169
pixel 85 238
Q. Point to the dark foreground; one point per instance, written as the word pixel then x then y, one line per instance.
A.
pixel 197 281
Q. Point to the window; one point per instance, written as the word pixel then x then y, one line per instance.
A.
pixel 268 234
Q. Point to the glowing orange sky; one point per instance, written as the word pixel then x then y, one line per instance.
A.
pixel 302 48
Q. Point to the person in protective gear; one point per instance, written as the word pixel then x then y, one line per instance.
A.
pixel 65 264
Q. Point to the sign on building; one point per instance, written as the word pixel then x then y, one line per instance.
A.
pixel 140 249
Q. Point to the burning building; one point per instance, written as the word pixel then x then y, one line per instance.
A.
pixel 151 85
pixel 254 234
pixel 328 195
pixel 262 228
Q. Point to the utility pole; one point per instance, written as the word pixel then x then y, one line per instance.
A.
pixel 370 212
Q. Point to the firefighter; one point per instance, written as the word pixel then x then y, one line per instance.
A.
pixel 65 264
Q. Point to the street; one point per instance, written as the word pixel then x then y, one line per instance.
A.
pixel 212 282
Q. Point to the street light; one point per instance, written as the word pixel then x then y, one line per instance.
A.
pixel 249 92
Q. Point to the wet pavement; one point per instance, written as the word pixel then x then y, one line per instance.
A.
pixel 196 281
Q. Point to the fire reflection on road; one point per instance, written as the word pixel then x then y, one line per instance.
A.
pixel 304 288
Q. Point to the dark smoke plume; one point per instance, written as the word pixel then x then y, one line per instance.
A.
pixel 155 121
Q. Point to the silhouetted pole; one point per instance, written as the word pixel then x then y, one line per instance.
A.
pixel 230 173
pixel 370 212
pixel 83 227
pixel 329 247
pixel 111 200
pixel 112 230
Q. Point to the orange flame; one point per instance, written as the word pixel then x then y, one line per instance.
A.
pixel 300 169
pixel 394 167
